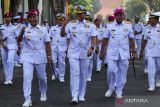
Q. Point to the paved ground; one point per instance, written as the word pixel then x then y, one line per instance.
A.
pixel 59 94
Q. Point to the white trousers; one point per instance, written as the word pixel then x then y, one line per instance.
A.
pixel 116 75
pixel 90 67
pixel 8 63
pixel 78 69
pixel 28 69
pixel 138 44
pixel 59 61
pixel 16 58
pixel 97 60
pixel 153 68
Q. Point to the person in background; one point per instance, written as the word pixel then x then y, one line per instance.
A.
pixel 151 42
pixel 90 59
pixel 16 22
pixel 100 33
pixel 45 24
pixel 59 47
pixel 138 30
pixel 9 47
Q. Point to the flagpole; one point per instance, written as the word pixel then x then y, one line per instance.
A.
pixel 66 8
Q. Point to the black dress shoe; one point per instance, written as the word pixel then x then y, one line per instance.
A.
pixel 74 102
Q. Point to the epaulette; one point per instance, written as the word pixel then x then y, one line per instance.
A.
pixel 110 22
pixel 127 22
pixel 148 26
pixel 89 22
pixel 73 21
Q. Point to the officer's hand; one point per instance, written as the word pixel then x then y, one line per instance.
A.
pixel 135 33
pixel 101 56
pixel 5 47
pixel 133 56
pixel 67 19
pixel 18 52
pixel 90 51
pixel 22 30
pixel 97 50
pixel 141 56
pixel 49 58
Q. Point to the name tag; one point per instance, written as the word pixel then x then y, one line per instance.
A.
pixel 125 30
pixel 113 30
pixel 40 32
pixel 74 27
pixel 86 26
pixel 113 37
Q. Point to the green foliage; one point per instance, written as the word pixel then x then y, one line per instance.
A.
pixel 141 7
pixel 135 7
pixel 154 5
pixel 93 6
pixel 97 6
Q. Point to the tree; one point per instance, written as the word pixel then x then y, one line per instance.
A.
pixel 33 4
pixel 154 5
pixel 14 6
pixel 135 7
pixel 97 6
pixel 93 6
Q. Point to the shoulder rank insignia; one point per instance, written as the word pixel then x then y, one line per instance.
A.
pixel 86 26
pixel 125 29
pixel 88 21
pixel 28 32
pixel 73 21
pixel 40 32
pixel 74 27
pixel 127 22
pixel 110 22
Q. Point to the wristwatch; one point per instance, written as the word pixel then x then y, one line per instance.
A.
pixel 92 48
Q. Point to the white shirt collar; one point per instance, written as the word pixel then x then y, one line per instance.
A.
pixel 118 24
pixel 37 27
pixel 8 25
pixel 84 21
